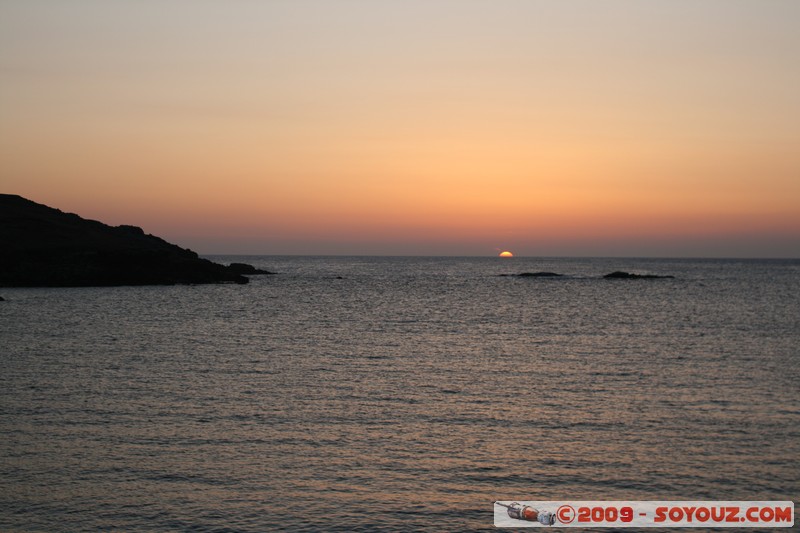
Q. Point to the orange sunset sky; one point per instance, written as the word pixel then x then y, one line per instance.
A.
pixel 430 127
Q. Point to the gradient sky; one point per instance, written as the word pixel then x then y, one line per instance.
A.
pixel 430 127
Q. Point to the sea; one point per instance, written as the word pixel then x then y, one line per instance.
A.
pixel 397 393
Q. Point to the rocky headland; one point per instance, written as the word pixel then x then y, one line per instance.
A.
pixel 44 247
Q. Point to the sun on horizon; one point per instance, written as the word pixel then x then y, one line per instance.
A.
pixel 506 254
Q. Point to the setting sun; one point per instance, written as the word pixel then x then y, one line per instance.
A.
pixel 506 254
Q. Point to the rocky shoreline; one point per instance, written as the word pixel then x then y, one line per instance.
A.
pixel 45 247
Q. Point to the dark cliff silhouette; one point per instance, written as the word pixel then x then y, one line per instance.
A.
pixel 45 247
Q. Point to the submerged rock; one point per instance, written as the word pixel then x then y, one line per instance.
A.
pixel 627 275
pixel 533 275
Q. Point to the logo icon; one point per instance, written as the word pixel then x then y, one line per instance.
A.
pixel 518 511
pixel 565 514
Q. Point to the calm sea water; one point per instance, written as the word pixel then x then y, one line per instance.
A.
pixel 369 394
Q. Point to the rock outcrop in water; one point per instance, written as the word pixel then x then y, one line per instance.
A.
pixel 535 275
pixel 45 247
pixel 627 275
pixel 539 275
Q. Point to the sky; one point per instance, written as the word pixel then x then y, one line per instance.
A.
pixel 412 127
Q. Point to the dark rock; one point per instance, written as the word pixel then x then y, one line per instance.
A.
pixel 133 230
pixel 45 247
pixel 245 269
pixel 2 299
pixel 533 275
pixel 627 275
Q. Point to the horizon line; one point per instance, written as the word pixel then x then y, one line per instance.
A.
pixel 718 258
